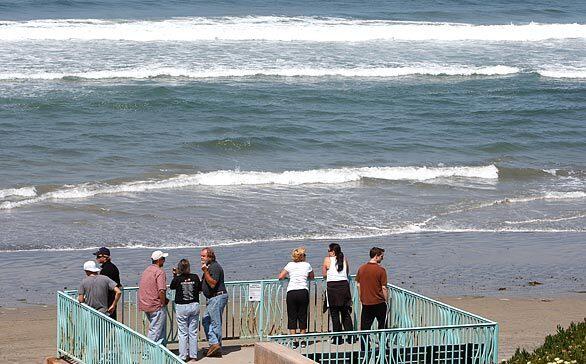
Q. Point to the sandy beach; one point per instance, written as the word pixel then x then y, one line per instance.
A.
pixel 28 333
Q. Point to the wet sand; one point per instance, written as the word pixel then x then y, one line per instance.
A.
pixel 430 264
pixel 28 333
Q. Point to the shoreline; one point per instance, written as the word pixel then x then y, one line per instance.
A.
pixel 29 332
pixel 501 265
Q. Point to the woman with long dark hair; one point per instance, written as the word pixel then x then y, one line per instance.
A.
pixel 187 287
pixel 335 269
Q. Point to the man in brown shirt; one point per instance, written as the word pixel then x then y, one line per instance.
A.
pixel 372 284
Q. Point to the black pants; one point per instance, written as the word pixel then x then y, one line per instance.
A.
pixel 297 303
pixel 371 312
pixel 341 311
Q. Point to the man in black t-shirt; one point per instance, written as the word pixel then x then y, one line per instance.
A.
pixel 109 270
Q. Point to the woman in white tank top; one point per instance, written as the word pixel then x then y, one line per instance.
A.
pixel 335 269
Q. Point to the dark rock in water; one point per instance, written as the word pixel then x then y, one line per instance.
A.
pixel 502 289
pixel 534 283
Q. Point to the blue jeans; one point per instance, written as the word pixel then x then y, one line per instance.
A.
pixel 188 326
pixel 158 326
pixel 212 319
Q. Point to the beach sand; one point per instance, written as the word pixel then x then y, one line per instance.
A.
pixel 28 333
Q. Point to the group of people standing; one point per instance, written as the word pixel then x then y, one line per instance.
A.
pixel 100 289
pixel 371 279
pixel 152 299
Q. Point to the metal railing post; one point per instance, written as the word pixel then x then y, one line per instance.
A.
pixel 495 344
pixel 261 309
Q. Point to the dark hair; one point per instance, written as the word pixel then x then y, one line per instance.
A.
pixel 376 251
pixel 339 255
pixel 210 253
pixel 183 267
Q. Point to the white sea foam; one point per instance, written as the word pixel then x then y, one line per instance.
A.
pixel 557 219
pixel 379 72
pixel 271 28
pixel 576 73
pixel 236 178
pixel 19 192
pixel 363 234
pixel 554 195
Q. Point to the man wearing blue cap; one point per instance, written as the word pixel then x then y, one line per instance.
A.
pixel 109 270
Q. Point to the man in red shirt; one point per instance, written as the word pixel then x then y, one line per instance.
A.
pixel 372 284
pixel 152 297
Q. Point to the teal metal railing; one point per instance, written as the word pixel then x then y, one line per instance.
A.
pixel 419 327
pixel 458 344
pixel 87 336
pixel 421 330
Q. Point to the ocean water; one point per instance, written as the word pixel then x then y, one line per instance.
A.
pixel 188 123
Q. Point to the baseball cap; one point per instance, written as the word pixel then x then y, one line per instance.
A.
pixel 103 251
pixel 158 255
pixel 91 266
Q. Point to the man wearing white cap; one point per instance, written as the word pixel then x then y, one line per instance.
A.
pixel 94 289
pixel 152 297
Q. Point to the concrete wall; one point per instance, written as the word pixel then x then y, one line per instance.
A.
pixel 273 353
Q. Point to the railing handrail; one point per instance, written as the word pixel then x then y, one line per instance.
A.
pixel 411 311
pixel 125 328
pixel 442 304
pixel 352 277
pixel 365 332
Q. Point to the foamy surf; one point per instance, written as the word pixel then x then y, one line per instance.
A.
pixel 365 233
pixel 375 72
pixel 554 195
pixel 575 73
pixel 18 192
pixel 271 28
pixel 254 178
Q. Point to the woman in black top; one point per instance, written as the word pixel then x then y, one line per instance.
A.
pixel 187 287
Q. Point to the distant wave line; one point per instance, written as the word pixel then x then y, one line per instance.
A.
pixel 575 73
pixel 236 178
pixel 365 72
pixel 356 72
pixel 274 28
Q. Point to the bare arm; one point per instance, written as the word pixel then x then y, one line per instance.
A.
pixel 163 297
pixel 118 294
pixel 385 293
pixel 325 267
pixel 283 274
pixel 311 275
pixel 208 277
pixel 80 298
pixel 347 267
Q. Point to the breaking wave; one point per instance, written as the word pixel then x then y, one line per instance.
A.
pixel 576 73
pixel 239 178
pixel 18 192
